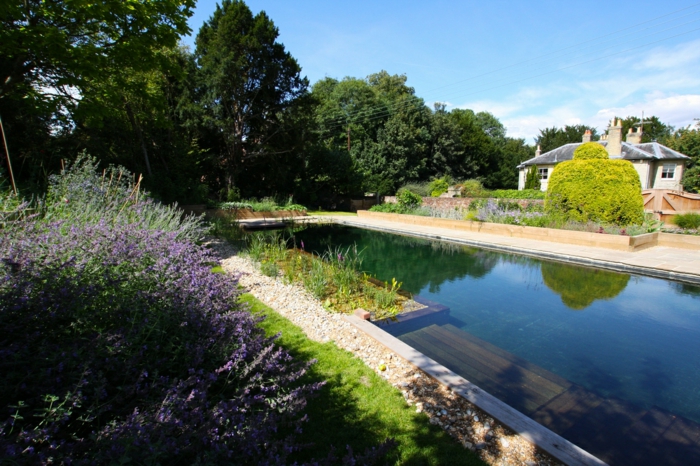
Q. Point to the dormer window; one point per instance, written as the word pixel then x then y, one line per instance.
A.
pixel 668 171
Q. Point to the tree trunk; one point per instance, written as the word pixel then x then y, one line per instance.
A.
pixel 137 129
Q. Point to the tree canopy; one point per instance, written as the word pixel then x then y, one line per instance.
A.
pixel 551 138
pixel 251 85
pixel 235 117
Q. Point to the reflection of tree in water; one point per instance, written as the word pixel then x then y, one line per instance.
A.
pixel 687 289
pixel 416 262
pixel 580 286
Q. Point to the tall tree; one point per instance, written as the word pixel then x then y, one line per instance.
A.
pixel 479 148
pixel 401 150
pixel 652 128
pixel 447 155
pixel 687 141
pixel 50 47
pixel 51 52
pixel 551 138
pixel 250 81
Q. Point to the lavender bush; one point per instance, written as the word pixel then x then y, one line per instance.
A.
pixel 119 344
pixel 83 194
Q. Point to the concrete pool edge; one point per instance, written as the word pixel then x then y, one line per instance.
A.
pixel 552 443
pixel 569 259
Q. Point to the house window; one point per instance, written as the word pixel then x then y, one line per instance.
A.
pixel 668 171
pixel 543 173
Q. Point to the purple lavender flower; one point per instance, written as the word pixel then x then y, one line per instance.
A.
pixel 93 315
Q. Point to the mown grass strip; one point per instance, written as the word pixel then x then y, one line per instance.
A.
pixel 356 407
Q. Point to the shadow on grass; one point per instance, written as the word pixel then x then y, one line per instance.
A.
pixel 356 407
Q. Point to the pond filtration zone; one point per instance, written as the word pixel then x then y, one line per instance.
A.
pixel 608 360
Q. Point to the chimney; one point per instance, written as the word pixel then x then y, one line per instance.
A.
pixel 538 151
pixel 587 136
pixel 634 137
pixel 614 146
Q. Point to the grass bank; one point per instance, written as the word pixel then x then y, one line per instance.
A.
pixel 357 407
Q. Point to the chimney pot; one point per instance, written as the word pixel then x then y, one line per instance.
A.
pixel 587 136
pixel 614 146
pixel 634 137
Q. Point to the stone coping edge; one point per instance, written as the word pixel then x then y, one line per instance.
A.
pixel 560 448
pixel 577 260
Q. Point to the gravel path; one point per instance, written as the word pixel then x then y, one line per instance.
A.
pixel 475 430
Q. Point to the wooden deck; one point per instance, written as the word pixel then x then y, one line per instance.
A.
pixel 614 430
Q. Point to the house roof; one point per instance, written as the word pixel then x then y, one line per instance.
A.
pixel 644 151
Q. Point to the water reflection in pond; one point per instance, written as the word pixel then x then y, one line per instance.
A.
pixel 631 337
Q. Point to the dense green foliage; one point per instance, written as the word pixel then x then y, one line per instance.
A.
pixel 515 194
pixel 689 221
pixel 653 128
pixel 596 190
pixel 253 89
pixel 551 138
pixel 335 277
pixel 408 199
pixel 687 141
pixel 532 179
pixel 590 151
pixel 420 188
pixel 438 187
pixel 266 204
pixel 233 119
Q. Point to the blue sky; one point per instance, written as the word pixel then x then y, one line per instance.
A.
pixel 532 63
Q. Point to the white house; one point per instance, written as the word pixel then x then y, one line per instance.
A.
pixel 659 167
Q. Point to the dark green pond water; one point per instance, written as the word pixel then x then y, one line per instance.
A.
pixel 625 336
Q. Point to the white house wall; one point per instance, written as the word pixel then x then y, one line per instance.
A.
pixel 649 173
pixel 668 183
pixel 642 168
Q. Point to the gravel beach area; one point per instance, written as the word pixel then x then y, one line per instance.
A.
pixel 475 430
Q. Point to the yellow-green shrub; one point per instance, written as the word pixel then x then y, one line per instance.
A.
pixel 596 190
pixel 590 151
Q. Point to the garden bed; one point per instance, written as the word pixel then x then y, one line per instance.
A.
pixel 239 214
pixel 580 238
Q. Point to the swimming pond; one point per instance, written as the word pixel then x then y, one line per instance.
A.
pixel 578 349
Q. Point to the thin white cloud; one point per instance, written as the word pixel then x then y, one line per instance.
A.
pixel 672 58
pixel 677 110
pixel 663 82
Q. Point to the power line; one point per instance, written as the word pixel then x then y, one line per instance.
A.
pixel 560 69
pixel 380 111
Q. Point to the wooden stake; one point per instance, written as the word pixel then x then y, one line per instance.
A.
pixel 7 155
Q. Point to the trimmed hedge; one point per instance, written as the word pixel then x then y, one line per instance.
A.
pixel 596 190
pixel 590 151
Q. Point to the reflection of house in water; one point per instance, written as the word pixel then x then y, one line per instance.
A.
pixel 658 166
pixel 579 287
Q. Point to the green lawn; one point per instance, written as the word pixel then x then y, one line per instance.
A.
pixel 356 407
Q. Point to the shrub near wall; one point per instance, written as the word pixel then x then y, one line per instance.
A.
pixel 596 189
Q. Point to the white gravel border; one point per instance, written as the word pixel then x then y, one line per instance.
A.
pixel 475 430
